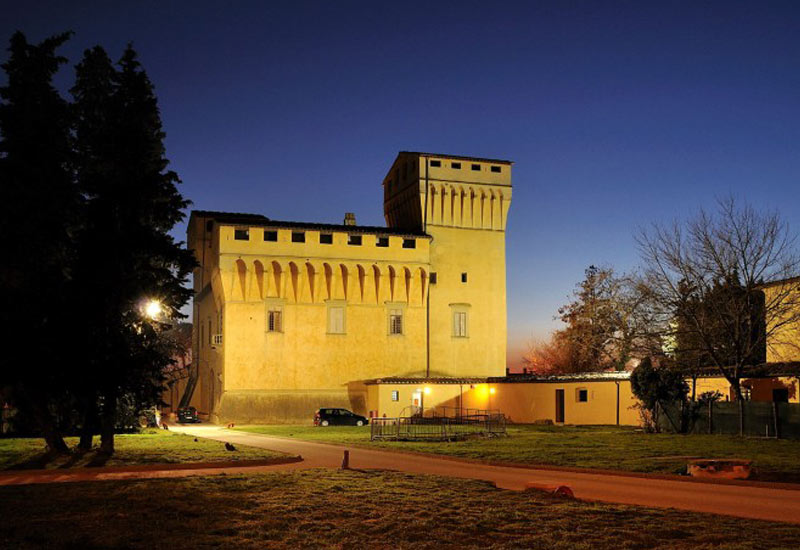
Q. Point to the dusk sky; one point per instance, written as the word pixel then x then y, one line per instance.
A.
pixel 615 113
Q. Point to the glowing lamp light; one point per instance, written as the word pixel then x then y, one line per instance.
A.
pixel 153 309
pixel 491 391
pixel 427 391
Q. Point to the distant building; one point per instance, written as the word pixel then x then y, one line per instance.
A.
pixel 290 316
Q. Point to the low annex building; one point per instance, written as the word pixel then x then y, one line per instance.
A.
pixel 291 316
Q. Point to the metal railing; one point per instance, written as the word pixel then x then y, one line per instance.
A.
pixel 432 427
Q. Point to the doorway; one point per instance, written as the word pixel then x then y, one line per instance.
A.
pixel 416 402
pixel 560 406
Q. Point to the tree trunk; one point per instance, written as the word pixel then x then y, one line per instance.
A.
pixel 37 408
pixel 108 422
pixel 737 388
pixel 89 423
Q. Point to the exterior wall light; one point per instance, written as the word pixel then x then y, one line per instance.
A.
pixel 491 391
pixel 427 391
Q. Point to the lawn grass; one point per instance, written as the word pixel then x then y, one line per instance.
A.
pixel 602 447
pixel 148 447
pixel 350 509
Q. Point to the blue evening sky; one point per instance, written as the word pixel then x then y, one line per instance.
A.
pixel 615 113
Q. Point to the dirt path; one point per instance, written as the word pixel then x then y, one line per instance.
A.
pixel 777 504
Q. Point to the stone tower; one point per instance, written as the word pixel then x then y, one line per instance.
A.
pixel 462 203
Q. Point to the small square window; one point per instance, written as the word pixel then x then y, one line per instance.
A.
pixel 274 321
pixel 395 395
pixel 495 169
pixel 382 242
pixel 298 236
pixel 433 278
pixel 455 165
pixel 583 396
pixel 325 238
pixel 436 163
pixel 463 277
pixel 354 240
pixel 409 243
pixel 476 167
pixel 241 234
pixel 271 236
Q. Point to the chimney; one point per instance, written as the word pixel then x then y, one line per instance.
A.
pixel 349 218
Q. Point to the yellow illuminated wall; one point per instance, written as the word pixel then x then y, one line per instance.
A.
pixel 336 300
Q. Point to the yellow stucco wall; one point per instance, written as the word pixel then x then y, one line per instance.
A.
pixel 783 343
pixel 760 388
pixel 522 403
pixel 459 229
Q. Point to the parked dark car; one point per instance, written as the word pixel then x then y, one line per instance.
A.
pixel 338 417
pixel 188 415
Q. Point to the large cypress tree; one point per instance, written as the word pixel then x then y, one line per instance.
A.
pixel 127 254
pixel 39 213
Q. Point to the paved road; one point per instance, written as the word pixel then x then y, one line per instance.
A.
pixel 734 500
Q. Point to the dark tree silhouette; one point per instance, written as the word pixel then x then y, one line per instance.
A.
pixel 39 213
pixel 127 256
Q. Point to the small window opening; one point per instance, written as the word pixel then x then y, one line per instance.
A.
pixel 241 234
pixel 298 236
pixel 326 238
pixel 583 396
pixel 476 167
pixel 382 242
pixel 455 166
pixel 396 321
pixel 395 395
pixel 496 169
pixel 274 320
pixel 271 236
pixel 409 243
pixel 436 163
pixel 463 277
pixel 354 240
pixel 433 278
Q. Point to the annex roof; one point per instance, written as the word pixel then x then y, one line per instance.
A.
pixel 423 380
pixel 764 370
pixel 573 377
pixel 235 218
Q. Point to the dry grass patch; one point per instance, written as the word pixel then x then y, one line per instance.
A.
pixel 152 446
pixel 338 509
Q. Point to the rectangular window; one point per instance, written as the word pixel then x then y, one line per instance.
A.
pixel 395 395
pixel 476 167
pixel 460 324
pixel 409 243
pixel 298 236
pixel 436 163
pixel 496 169
pixel 395 321
pixel 271 236
pixel 582 395
pixel 382 242
pixel 463 277
pixel 210 334
pixel 433 278
pixel 274 321
pixel 455 166
pixel 354 240
pixel 336 320
pixel 241 234
pixel 325 238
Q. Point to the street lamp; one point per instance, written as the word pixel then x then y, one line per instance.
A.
pixel 153 309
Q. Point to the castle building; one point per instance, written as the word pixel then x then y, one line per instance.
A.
pixel 291 316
